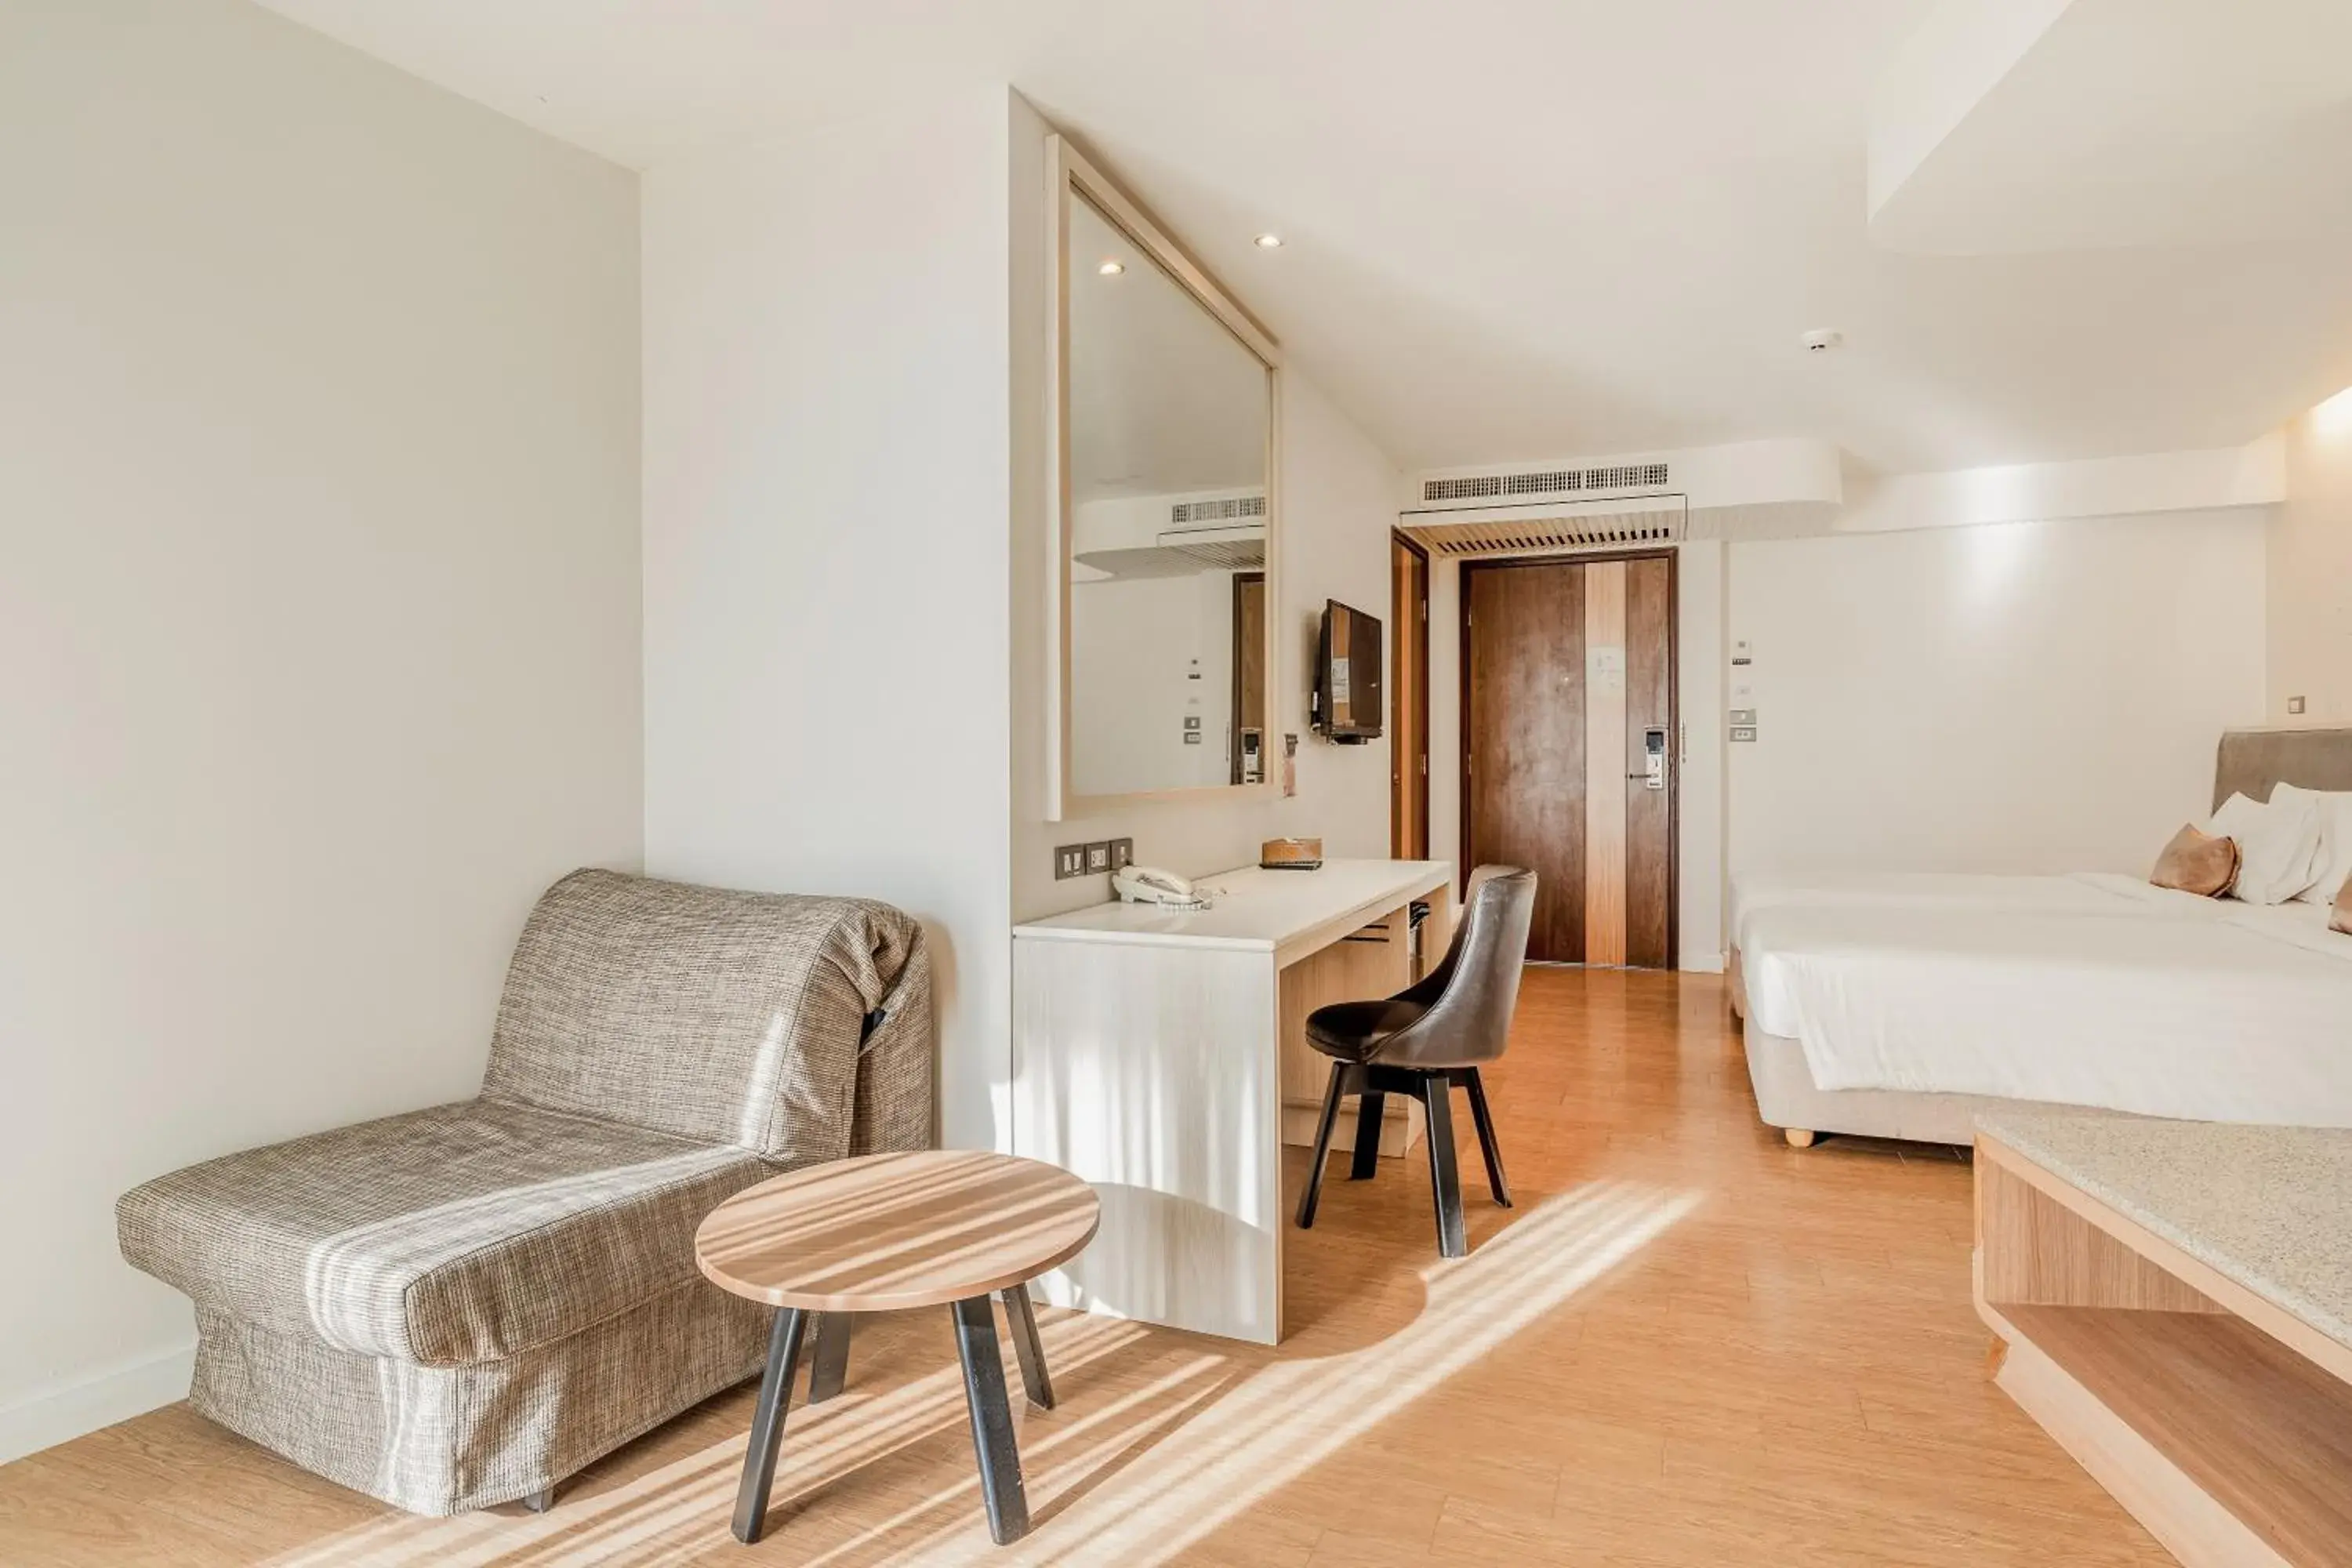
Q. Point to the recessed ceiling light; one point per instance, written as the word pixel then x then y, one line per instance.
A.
pixel 1269 242
pixel 1112 268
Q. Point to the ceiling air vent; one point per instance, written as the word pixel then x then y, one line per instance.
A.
pixel 1622 522
pixel 1546 483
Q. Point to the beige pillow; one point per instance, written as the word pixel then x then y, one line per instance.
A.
pixel 2196 863
pixel 2340 918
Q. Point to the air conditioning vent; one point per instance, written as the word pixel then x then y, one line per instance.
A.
pixel 1627 522
pixel 1545 483
pixel 1225 509
pixel 1511 539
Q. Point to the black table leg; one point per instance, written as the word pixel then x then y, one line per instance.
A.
pixel 768 1424
pixel 1022 1321
pixel 992 1420
pixel 829 1361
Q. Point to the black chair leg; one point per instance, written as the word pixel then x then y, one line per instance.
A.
pixel 1368 1107
pixel 829 1361
pixel 768 1424
pixel 1330 1118
pixel 1487 1143
pixel 992 1420
pixel 1030 1350
pixel 1436 1093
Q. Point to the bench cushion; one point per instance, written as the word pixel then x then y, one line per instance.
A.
pixel 450 1237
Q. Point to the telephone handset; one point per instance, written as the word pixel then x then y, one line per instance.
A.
pixel 1150 885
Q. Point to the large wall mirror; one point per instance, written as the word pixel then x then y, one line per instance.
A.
pixel 1165 521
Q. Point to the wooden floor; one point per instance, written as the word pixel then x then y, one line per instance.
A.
pixel 1687 1344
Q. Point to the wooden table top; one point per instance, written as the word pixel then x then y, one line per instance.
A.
pixel 885 1232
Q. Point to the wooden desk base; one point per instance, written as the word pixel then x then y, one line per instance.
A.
pixel 2180 1392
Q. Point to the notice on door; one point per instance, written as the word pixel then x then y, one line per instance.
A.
pixel 1604 669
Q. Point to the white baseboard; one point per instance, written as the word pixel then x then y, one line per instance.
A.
pixel 50 1415
pixel 1703 963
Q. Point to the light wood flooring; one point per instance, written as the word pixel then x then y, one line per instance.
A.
pixel 1688 1344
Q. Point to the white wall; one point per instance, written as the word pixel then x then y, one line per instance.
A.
pixel 2311 571
pixel 2017 698
pixel 319 651
pixel 846 562
pixel 827 484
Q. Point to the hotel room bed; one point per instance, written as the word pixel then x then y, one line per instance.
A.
pixel 1898 1006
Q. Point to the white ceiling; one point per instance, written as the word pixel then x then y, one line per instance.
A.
pixel 2033 125
pixel 1517 229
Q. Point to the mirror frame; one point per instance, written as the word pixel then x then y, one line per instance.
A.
pixel 1068 171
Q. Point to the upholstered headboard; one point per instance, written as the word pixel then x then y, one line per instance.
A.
pixel 2251 760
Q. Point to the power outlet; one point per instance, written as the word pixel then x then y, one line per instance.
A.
pixel 1069 860
pixel 1098 856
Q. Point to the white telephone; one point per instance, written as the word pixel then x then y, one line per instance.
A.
pixel 1150 885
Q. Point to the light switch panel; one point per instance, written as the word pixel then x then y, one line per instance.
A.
pixel 1069 860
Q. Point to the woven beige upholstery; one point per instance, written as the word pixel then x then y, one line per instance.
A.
pixel 455 1307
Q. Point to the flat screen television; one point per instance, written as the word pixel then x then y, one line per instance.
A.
pixel 1347 706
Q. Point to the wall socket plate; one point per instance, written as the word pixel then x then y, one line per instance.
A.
pixel 1122 852
pixel 1098 856
pixel 2294 704
pixel 1069 860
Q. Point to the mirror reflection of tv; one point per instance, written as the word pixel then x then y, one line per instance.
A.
pixel 1348 706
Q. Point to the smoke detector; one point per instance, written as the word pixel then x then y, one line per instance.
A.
pixel 1822 339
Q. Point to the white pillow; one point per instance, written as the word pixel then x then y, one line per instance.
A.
pixel 2334 808
pixel 2278 845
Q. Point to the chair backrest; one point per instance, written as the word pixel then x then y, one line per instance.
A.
pixel 727 1017
pixel 1473 993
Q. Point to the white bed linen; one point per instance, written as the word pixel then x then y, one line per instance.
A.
pixel 2082 892
pixel 2225 1012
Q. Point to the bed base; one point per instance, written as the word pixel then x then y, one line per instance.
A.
pixel 1787 1098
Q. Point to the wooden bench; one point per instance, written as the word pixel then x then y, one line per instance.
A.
pixel 2174 1306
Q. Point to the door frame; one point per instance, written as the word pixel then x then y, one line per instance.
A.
pixel 1419 632
pixel 1462 827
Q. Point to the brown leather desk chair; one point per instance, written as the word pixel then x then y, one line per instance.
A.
pixel 1426 1039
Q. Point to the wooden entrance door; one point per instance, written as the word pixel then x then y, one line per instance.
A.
pixel 1568 678
pixel 1409 700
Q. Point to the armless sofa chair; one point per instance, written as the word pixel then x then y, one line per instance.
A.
pixel 463 1306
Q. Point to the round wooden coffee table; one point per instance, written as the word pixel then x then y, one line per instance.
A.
pixel 884 1233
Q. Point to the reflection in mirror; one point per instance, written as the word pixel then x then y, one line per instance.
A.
pixel 1169 416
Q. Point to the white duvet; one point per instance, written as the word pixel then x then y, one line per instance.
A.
pixel 2084 990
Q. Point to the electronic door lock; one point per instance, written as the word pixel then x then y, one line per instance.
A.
pixel 1653 757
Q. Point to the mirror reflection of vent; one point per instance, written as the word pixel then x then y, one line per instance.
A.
pixel 1545 483
pixel 1227 508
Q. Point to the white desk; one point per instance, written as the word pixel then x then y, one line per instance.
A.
pixel 1159 1055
